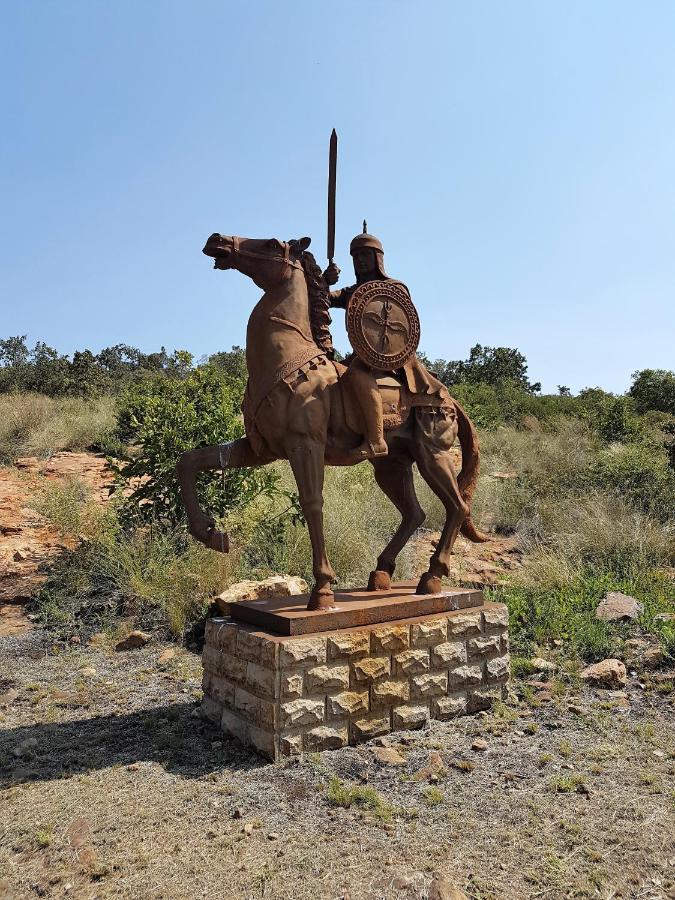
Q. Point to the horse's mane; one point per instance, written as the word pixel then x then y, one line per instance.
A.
pixel 319 304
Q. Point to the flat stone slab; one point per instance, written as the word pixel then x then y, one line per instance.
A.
pixel 354 608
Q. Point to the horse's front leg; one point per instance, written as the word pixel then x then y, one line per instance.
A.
pixel 307 461
pixel 234 454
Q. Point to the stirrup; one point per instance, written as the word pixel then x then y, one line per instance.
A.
pixel 366 450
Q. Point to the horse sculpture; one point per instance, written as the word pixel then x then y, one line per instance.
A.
pixel 297 408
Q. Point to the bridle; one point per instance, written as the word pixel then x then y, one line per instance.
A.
pixel 285 259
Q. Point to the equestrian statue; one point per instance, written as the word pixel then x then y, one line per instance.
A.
pixel 301 404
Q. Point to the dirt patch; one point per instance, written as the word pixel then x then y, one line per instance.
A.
pixel 472 565
pixel 28 542
pixel 122 790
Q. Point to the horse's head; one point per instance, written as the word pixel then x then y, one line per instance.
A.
pixel 266 261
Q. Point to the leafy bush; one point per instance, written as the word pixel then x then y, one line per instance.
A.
pixel 161 418
pixel 654 389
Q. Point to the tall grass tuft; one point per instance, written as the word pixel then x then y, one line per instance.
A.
pixel 35 425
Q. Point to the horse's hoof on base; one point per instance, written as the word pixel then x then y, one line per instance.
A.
pixel 321 600
pixel 429 584
pixel 379 580
pixel 218 540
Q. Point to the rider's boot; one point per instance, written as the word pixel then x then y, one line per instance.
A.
pixel 365 390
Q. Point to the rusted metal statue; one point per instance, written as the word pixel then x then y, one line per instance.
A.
pixel 303 406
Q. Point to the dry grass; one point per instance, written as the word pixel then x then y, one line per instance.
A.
pixel 35 425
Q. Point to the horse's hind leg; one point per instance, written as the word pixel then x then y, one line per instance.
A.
pixel 307 462
pixel 395 477
pixel 232 455
pixel 437 470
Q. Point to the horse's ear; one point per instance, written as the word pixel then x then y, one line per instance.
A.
pixel 301 245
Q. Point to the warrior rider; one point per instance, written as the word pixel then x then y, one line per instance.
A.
pixel 368 256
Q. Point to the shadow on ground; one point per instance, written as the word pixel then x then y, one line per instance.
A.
pixel 168 735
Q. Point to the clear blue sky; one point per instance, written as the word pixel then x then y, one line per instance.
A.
pixel 517 159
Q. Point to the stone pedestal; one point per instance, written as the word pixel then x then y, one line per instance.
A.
pixel 284 694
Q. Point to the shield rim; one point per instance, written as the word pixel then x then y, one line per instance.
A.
pixel 357 303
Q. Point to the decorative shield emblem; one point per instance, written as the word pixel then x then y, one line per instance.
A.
pixel 382 324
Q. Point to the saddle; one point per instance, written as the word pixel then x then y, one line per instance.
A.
pixel 397 400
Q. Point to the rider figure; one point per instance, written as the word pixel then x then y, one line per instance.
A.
pixel 368 256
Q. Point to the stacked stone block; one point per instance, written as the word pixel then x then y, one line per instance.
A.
pixel 285 695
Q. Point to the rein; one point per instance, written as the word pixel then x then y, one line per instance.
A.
pixel 237 250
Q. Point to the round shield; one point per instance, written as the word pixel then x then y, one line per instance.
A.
pixel 382 324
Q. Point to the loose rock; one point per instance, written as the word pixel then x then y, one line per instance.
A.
pixel 542 665
pixel 654 657
pixel 610 673
pixel 616 607
pixel 274 586
pixel 166 656
pixel 441 889
pixel 387 756
pixel 133 641
pixel 479 744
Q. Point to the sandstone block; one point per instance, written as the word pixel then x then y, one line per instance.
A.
pixel 481 699
pixel 291 684
pixel 254 709
pixel 496 618
pixel 464 625
pixel 218 689
pixel 390 639
pixel 224 664
pixel 429 685
pixel 351 644
pixel 407 717
pixel 389 693
pixel 369 727
pixel 465 675
pixel 449 707
pixel 303 651
pixel 255 648
pixel 260 680
pixel 483 646
pixel 497 668
pixel 348 703
pixel 426 634
pixel 234 725
pixel 325 738
pixel 290 744
pixel 212 710
pixel 221 633
pixel 327 678
pixel 411 662
pixel 262 740
pixel 448 654
pixel 370 668
pixel 302 712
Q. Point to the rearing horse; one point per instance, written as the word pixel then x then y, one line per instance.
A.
pixel 294 409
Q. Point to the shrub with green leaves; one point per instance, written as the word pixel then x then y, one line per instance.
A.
pixel 160 419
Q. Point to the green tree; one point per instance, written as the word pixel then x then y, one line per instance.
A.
pixel 654 389
pixel 491 365
pixel 163 417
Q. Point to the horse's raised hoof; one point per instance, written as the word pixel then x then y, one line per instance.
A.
pixel 379 580
pixel 429 584
pixel 321 598
pixel 218 540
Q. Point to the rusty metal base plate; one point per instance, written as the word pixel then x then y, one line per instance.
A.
pixel 353 608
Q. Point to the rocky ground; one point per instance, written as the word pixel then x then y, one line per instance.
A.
pixel 28 543
pixel 113 786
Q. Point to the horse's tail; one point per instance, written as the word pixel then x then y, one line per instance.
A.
pixel 468 477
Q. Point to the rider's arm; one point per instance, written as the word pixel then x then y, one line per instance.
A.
pixel 341 298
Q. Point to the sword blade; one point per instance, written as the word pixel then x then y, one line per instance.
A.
pixel 332 181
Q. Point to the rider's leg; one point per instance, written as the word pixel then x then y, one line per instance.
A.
pixel 364 389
